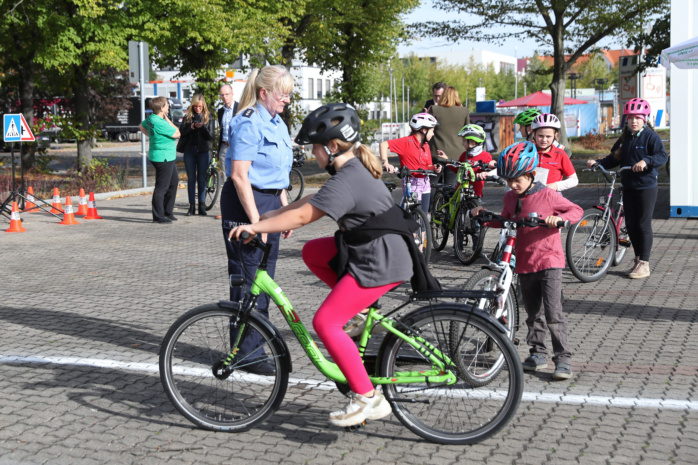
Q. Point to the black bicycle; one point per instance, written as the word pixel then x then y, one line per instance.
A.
pixel 213 182
pixel 296 182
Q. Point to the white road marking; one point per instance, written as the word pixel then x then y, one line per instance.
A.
pixel 621 402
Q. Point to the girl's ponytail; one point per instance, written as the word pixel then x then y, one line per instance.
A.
pixel 364 154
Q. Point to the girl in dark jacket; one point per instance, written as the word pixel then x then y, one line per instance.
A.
pixel 197 133
pixel 641 148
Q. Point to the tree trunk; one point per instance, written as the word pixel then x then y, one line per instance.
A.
pixel 82 118
pixel 26 96
pixel 557 86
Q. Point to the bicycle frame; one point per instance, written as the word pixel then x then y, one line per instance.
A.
pixel 465 176
pixel 264 283
pixel 507 244
pixel 610 212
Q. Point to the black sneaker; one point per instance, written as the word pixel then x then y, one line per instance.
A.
pixel 535 363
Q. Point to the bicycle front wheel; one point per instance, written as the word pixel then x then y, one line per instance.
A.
pixel 296 185
pixel 439 222
pixel 213 188
pixel 423 234
pixel 459 413
pixel 466 237
pixel 591 245
pixel 195 344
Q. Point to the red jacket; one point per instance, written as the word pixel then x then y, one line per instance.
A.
pixel 539 248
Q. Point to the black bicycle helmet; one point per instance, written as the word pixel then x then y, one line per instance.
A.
pixel 332 121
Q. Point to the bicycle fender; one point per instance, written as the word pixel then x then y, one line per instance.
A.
pixel 264 321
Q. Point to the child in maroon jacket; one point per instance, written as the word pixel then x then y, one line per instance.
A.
pixel 539 255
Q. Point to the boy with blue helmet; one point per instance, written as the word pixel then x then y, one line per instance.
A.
pixel 539 255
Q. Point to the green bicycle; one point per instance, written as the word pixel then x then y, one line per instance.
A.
pixel 454 215
pixel 423 364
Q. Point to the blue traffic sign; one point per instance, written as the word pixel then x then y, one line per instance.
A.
pixel 16 129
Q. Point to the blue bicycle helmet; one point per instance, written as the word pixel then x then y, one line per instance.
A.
pixel 517 159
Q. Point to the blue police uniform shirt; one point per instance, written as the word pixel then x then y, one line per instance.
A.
pixel 257 137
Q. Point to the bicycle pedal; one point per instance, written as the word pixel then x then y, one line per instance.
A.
pixel 355 427
pixel 516 341
pixel 624 242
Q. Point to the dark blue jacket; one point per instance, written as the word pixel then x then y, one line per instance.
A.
pixel 646 145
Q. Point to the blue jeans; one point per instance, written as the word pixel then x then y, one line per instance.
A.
pixel 196 164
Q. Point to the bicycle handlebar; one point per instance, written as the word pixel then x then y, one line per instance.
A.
pixel 496 179
pixel 532 221
pixel 404 171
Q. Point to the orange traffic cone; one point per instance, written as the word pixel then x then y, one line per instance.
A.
pixel 82 204
pixel 57 207
pixel 92 209
pixel 15 220
pixel 68 216
pixel 30 206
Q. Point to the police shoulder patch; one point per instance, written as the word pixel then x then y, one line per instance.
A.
pixel 247 113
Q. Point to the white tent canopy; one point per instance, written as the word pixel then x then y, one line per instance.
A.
pixel 683 55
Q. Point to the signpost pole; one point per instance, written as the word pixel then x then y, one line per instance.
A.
pixel 141 81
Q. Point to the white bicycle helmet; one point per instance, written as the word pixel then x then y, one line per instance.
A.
pixel 423 120
pixel 546 120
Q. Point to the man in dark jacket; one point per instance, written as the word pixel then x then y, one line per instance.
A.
pixel 225 115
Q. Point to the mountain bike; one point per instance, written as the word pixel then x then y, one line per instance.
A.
pixel 453 215
pixel 296 183
pixel 599 239
pixel 213 182
pixel 422 363
pixel 499 276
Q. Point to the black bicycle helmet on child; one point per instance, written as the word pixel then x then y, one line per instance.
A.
pixel 331 121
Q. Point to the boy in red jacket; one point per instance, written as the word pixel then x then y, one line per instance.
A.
pixel 539 255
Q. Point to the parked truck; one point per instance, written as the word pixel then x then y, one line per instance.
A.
pixel 125 127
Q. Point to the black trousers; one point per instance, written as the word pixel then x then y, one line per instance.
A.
pixel 166 181
pixel 639 208
pixel 243 259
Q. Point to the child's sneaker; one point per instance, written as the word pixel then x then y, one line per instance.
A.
pixel 641 270
pixel 535 363
pixel 360 409
pixel 562 371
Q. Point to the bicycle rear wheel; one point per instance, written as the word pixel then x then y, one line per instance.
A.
pixel 296 185
pixel 591 245
pixel 423 234
pixel 213 187
pixel 439 222
pixel 460 413
pixel 193 346
pixel 466 236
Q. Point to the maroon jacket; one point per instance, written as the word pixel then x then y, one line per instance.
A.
pixel 539 248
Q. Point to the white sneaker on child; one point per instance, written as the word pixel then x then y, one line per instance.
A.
pixel 360 409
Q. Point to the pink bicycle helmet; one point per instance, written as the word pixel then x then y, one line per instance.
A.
pixel 423 120
pixel 637 106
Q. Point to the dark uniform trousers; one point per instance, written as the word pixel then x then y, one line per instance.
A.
pixel 233 214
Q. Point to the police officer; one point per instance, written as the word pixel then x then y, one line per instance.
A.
pixel 257 165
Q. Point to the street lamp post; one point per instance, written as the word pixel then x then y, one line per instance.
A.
pixel 516 72
pixel 573 77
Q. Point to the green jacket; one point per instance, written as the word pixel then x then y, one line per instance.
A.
pixel 162 146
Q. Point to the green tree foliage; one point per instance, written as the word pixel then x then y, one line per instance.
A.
pixel 593 69
pixel 570 27
pixel 421 74
pixel 658 38
pixel 353 36
pixel 538 76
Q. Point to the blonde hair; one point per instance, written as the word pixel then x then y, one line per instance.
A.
pixel 364 154
pixel 157 104
pixel 450 98
pixel 274 78
pixel 204 113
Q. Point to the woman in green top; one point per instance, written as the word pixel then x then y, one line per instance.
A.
pixel 162 153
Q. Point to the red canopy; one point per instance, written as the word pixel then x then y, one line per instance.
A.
pixel 538 99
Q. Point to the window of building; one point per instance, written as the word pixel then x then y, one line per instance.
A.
pixel 319 89
pixel 327 86
pixel 311 93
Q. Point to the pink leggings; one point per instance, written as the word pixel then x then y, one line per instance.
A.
pixel 346 299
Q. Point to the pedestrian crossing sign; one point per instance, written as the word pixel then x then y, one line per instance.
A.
pixel 16 129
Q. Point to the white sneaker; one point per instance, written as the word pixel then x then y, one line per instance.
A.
pixel 641 270
pixel 355 326
pixel 360 409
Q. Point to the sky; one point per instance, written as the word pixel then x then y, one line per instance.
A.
pixel 426 12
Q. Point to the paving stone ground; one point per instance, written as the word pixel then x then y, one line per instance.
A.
pixel 84 309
